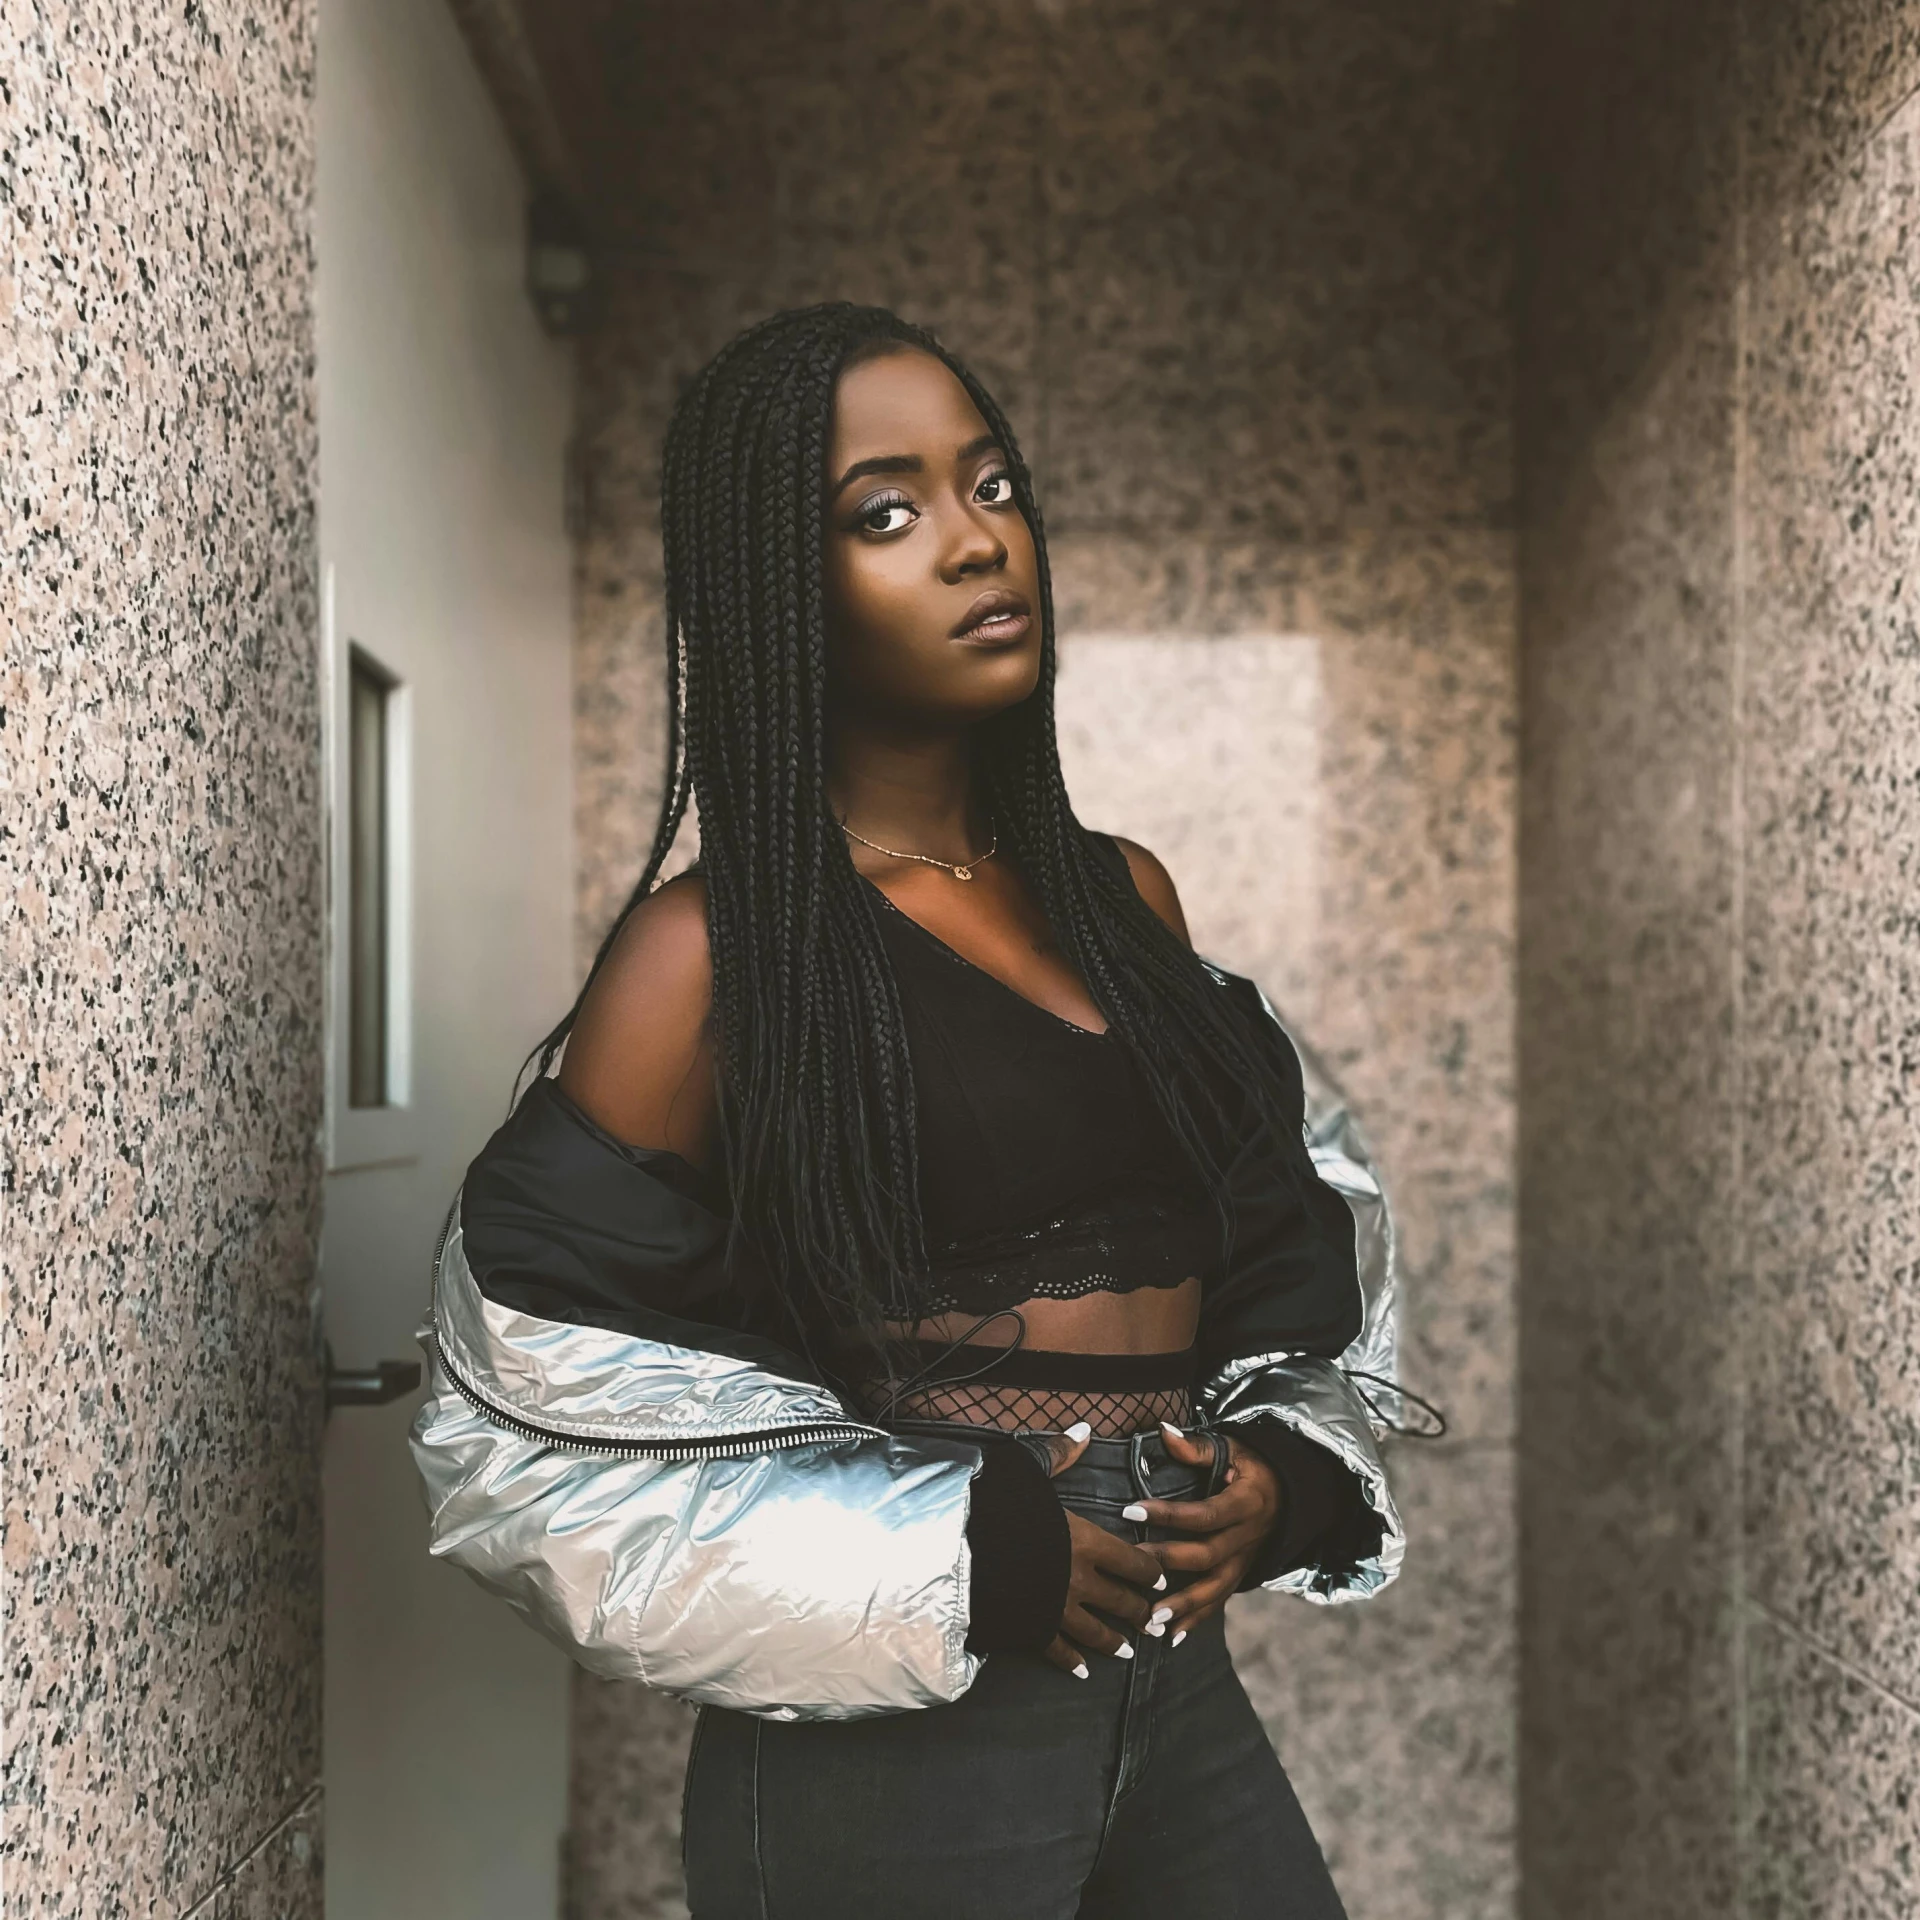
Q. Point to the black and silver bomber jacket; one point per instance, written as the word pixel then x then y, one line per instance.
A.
pixel 610 1444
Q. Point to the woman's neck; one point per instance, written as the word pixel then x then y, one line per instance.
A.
pixel 914 795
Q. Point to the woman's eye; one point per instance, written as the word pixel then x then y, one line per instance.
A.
pixel 996 490
pixel 886 516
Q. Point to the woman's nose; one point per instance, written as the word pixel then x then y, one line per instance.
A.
pixel 975 547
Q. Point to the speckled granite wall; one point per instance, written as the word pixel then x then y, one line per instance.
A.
pixel 161 939
pixel 1240 274
pixel 1720 957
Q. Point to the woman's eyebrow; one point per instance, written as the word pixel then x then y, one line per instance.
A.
pixel 908 462
pixel 880 463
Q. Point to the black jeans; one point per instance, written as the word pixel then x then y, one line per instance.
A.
pixel 1146 1792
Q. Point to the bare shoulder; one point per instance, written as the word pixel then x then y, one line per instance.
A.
pixel 1154 884
pixel 664 942
pixel 639 1059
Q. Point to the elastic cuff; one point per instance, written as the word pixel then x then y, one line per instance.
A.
pixel 1326 1518
pixel 1021 1551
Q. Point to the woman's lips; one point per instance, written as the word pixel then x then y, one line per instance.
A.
pixel 999 630
pixel 996 619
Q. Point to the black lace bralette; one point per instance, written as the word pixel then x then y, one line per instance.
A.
pixel 1046 1170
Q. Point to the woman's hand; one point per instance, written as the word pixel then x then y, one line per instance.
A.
pixel 1108 1573
pixel 1229 1528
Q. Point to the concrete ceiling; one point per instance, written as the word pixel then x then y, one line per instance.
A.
pixel 635 117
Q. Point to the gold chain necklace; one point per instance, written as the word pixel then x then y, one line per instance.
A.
pixel 961 870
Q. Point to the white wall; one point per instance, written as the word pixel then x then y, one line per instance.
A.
pixel 443 417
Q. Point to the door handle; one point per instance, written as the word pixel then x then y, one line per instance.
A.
pixel 370 1387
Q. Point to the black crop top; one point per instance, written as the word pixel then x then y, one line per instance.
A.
pixel 1046 1170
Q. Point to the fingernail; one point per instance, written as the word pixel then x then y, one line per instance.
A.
pixel 1160 1585
pixel 1177 1638
pixel 1167 1426
pixel 1156 1626
pixel 1134 1512
pixel 1124 1651
pixel 1080 1672
pixel 1079 1431
pixel 1163 1614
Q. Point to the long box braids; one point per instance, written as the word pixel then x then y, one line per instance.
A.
pixel 816 1093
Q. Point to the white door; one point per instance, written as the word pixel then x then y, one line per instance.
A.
pixel 446 596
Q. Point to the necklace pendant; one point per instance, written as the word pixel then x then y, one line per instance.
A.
pixel 963 873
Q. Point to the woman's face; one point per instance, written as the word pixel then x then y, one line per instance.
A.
pixel 932 587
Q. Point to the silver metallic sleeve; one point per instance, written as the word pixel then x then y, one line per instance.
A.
pixel 797 1566
pixel 1346 1405
pixel 1315 1398
pixel 1343 1159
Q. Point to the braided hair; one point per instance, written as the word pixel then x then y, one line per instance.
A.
pixel 815 1097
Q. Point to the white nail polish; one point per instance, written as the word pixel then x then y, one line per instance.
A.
pixel 1080 1672
pixel 1160 1585
pixel 1178 1637
pixel 1134 1512
pixel 1124 1651
pixel 1157 1628
pixel 1163 1614
pixel 1167 1426
pixel 1079 1431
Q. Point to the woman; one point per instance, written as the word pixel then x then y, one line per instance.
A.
pixel 913 1309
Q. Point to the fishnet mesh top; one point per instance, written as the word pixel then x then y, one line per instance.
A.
pixel 1046 1173
pixel 1115 1393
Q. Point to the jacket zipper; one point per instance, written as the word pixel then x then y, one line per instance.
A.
pixel 446 1234
pixel 722 1447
